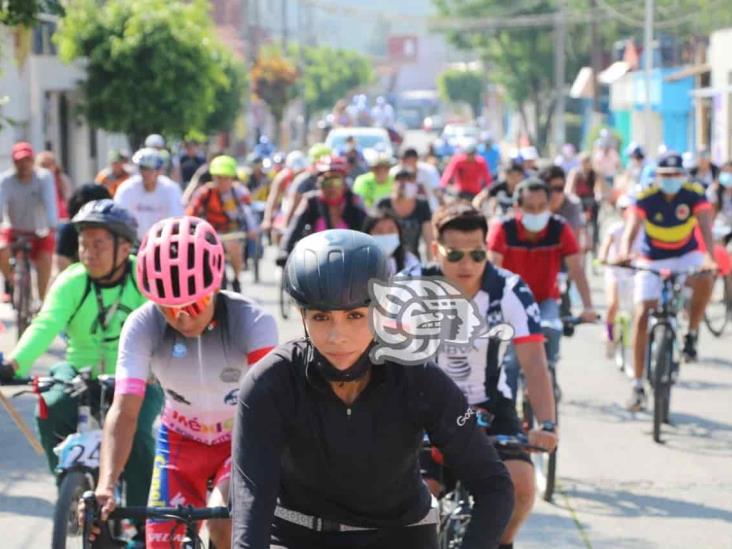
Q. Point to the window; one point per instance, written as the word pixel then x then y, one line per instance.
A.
pixel 42 42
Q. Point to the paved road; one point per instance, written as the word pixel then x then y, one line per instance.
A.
pixel 617 488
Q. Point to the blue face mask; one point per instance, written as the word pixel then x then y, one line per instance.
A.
pixel 725 179
pixel 671 185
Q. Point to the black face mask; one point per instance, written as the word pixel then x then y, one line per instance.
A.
pixel 356 371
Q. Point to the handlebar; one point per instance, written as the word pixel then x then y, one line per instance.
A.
pixel 663 273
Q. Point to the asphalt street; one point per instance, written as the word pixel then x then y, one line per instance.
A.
pixel 617 488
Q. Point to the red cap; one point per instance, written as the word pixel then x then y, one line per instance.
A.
pixel 22 150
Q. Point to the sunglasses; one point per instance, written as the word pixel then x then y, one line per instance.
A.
pixel 557 190
pixel 192 309
pixel 332 182
pixel 453 256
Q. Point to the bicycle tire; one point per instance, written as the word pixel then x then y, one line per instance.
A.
pixel 717 312
pixel 545 465
pixel 662 356
pixel 454 518
pixel 73 485
pixel 22 300
pixel 257 257
pixel 284 299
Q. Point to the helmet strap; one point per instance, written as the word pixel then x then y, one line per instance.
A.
pixel 115 266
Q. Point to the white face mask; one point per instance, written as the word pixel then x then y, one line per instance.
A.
pixel 409 190
pixel 535 222
pixel 387 242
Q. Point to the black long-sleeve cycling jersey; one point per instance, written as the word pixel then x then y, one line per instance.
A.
pixel 297 441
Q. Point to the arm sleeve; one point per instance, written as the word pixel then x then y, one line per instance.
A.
pixel 134 353
pixel 700 202
pixel 521 311
pixel 424 213
pixel 497 239
pixel 469 453
pixel 48 190
pixel 256 449
pixel 568 241
pixel 448 174
pixel 57 309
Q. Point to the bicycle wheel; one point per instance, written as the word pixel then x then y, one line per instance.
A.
pixel 22 296
pixel 545 464
pixel 717 312
pixel 285 300
pixel 620 343
pixel 662 356
pixel 455 510
pixel 256 257
pixel 66 528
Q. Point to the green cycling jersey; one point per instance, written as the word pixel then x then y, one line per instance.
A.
pixel 91 314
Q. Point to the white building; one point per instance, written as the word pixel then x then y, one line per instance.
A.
pixel 720 93
pixel 39 103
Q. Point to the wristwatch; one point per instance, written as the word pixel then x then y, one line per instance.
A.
pixel 549 426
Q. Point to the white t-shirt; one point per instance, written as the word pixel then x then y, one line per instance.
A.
pixel 615 232
pixel 149 207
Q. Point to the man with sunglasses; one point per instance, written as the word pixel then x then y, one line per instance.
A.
pixel 534 244
pixel 197 341
pixel 501 297
pixel 332 206
pixel 90 300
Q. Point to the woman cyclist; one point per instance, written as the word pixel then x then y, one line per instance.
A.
pixel 326 442
pixel 331 206
pixel 387 232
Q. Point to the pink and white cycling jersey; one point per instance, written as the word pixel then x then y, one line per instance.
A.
pixel 200 376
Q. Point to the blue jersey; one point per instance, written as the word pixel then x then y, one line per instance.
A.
pixel 670 224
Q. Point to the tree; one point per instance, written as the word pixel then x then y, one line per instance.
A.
pixel 152 65
pixel 329 74
pixel 229 98
pixel 462 85
pixel 521 59
pixel 25 12
pixel 273 80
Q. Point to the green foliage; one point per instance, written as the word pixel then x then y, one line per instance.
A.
pixel 457 85
pixel 329 74
pixel 230 95
pixel 25 12
pixel 152 65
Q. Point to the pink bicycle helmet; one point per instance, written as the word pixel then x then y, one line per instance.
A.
pixel 180 261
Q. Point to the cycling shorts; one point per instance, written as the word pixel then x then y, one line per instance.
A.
pixel 182 471
pixel 39 244
pixel 648 285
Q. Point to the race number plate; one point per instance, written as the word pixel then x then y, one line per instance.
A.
pixel 80 449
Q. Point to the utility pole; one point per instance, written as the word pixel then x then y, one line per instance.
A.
pixel 595 57
pixel 560 38
pixel 284 25
pixel 648 69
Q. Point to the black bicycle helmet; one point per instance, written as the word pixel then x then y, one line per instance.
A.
pixel 331 270
pixel 86 193
pixel 109 215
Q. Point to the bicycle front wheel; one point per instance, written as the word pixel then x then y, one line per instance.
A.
pixel 662 357
pixel 545 464
pixel 67 531
pixel 22 299
pixel 717 312
pixel 285 300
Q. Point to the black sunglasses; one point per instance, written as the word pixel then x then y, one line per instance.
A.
pixel 453 256
pixel 556 189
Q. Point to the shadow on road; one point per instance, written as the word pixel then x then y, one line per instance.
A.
pixel 617 502
pixel 26 505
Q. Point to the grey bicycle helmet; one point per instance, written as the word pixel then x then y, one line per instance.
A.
pixel 331 270
pixel 109 215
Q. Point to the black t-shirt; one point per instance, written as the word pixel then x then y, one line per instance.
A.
pixel 189 165
pixel 503 196
pixel 67 242
pixel 296 441
pixel 411 224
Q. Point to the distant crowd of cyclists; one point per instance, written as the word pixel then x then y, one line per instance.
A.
pixel 141 255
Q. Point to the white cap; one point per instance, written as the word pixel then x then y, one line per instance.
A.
pixel 155 140
pixel 529 153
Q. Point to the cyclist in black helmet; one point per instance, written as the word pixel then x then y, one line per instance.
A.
pixel 67 238
pixel 326 442
pixel 90 301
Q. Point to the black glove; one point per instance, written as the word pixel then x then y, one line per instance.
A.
pixel 281 260
pixel 7 373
